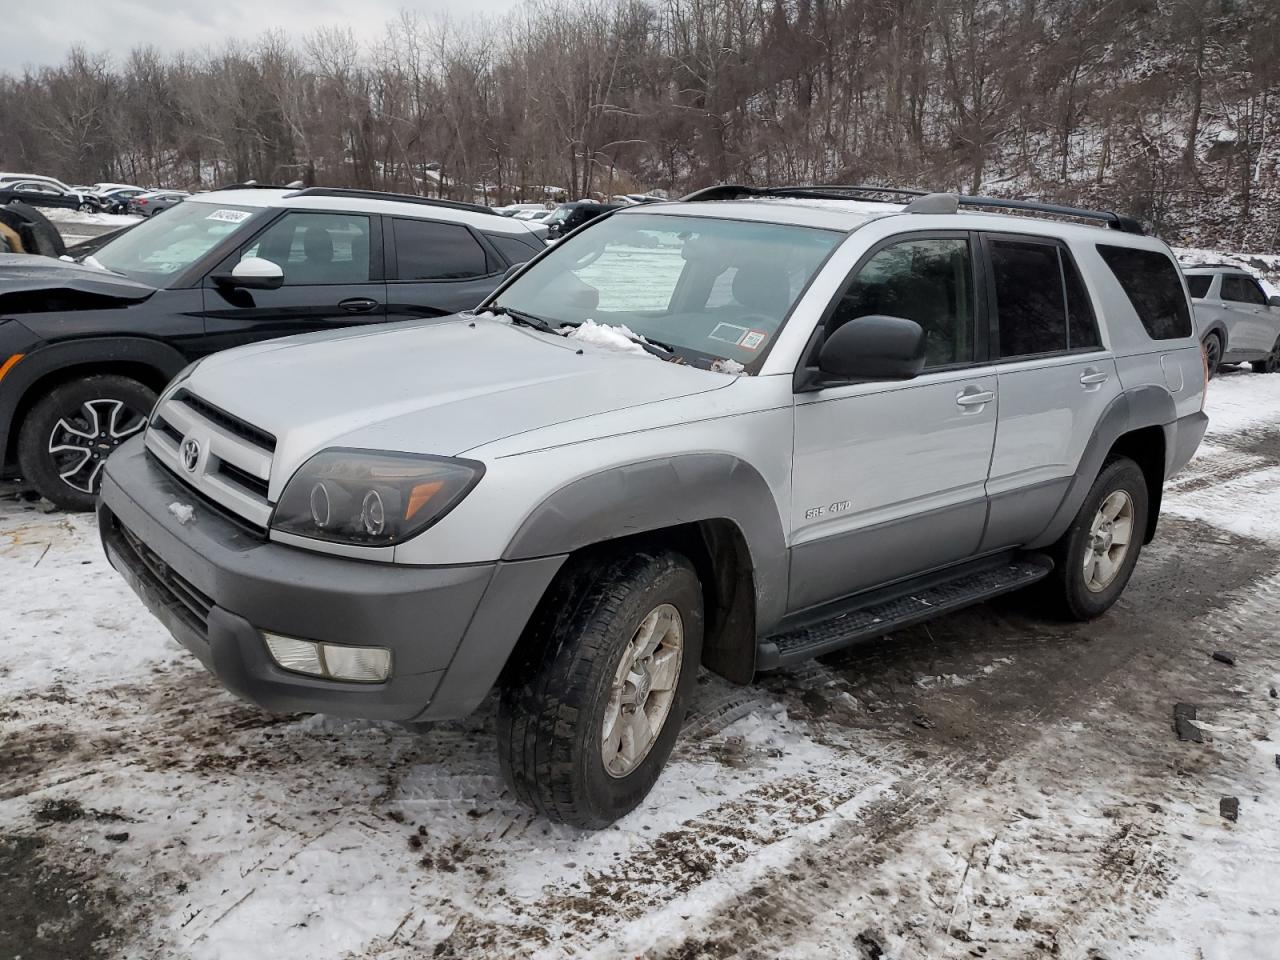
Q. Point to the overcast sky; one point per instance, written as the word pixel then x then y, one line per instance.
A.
pixel 39 32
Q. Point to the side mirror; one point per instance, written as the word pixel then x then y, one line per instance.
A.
pixel 873 348
pixel 1273 301
pixel 252 273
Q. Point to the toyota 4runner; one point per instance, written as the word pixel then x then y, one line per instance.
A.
pixel 736 432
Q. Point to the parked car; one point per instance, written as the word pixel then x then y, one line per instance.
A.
pixel 511 209
pixel 13 177
pixel 84 347
pixel 116 199
pixel 1236 319
pixel 532 214
pixel 150 203
pixel 570 216
pixel 41 193
pixel 787 427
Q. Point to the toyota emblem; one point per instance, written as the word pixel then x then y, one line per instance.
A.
pixel 190 454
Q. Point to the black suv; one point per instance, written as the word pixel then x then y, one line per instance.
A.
pixel 85 347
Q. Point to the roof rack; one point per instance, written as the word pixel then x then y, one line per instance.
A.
pixel 255 185
pixel 1214 266
pixel 835 191
pixel 397 197
pixel 951 202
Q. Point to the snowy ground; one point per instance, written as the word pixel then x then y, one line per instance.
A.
pixel 76 227
pixel 992 785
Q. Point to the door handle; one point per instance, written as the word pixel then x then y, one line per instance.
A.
pixel 976 399
pixel 1091 377
pixel 358 305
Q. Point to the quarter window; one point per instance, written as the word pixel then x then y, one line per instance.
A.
pixel 1199 286
pixel 426 250
pixel 1149 279
pixel 1082 325
pixel 316 248
pixel 929 281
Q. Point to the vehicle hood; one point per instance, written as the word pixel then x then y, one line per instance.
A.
pixel 438 387
pixel 80 287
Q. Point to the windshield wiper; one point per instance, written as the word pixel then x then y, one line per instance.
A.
pixel 522 318
pixel 648 344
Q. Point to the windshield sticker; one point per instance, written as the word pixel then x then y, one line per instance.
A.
pixel 229 216
pixel 752 339
pixel 728 333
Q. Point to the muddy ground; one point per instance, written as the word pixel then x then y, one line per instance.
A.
pixel 993 784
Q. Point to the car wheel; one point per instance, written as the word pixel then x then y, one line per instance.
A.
pixel 1212 354
pixel 70 431
pixel 1096 556
pixel 592 705
pixel 84 208
pixel 1270 363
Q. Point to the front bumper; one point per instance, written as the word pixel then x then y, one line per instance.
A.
pixel 215 586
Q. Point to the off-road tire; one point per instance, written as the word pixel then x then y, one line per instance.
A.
pixel 555 693
pixel 1066 587
pixel 38 466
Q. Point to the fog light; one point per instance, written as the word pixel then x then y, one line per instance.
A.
pixel 300 656
pixel 355 664
pixel 370 664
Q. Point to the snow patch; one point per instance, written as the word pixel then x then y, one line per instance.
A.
pixel 620 338
pixel 183 511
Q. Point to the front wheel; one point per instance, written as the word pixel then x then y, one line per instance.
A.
pixel 591 708
pixel 69 433
pixel 1270 363
pixel 1096 556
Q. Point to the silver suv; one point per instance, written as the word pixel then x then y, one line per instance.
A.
pixel 1236 320
pixel 736 431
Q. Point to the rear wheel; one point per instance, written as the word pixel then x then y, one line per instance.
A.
pixel 592 708
pixel 1096 556
pixel 69 433
pixel 1212 354
pixel 1270 363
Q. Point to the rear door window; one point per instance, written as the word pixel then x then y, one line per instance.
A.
pixel 1030 300
pixel 1199 286
pixel 1150 279
pixel 426 250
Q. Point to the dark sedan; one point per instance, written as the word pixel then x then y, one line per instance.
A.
pixel 40 193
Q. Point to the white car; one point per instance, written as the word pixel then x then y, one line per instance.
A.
pixel 1236 319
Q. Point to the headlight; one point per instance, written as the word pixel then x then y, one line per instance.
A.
pixel 370 498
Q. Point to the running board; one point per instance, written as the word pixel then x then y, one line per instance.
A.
pixel 886 616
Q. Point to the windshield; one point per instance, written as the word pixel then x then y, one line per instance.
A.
pixel 711 289
pixel 160 247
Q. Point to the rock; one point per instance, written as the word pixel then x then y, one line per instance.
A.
pixel 1278 761
pixel 1229 808
pixel 869 945
pixel 120 837
pixel 1187 730
pixel 1275 694
pixel 1222 656
pixel 920 720
pixel 1187 710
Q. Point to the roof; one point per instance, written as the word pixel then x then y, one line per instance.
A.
pixel 290 199
pixel 847 215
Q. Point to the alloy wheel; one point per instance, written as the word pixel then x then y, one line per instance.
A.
pixel 1108 543
pixel 644 688
pixel 81 441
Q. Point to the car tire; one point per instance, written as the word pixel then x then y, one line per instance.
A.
pixel 1090 570
pixel 1270 363
pixel 572 742
pixel 1212 354
pixel 94 414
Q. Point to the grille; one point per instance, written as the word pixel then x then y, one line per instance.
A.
pixel 229 422
pixel 177 593
pixel 229 465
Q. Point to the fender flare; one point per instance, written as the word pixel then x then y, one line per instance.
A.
pixel 654 494
pixel 57 357
pixel 1144 406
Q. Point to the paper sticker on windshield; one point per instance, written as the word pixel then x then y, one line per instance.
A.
pixel 752 339
pixel 229 216
pixel 728 333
